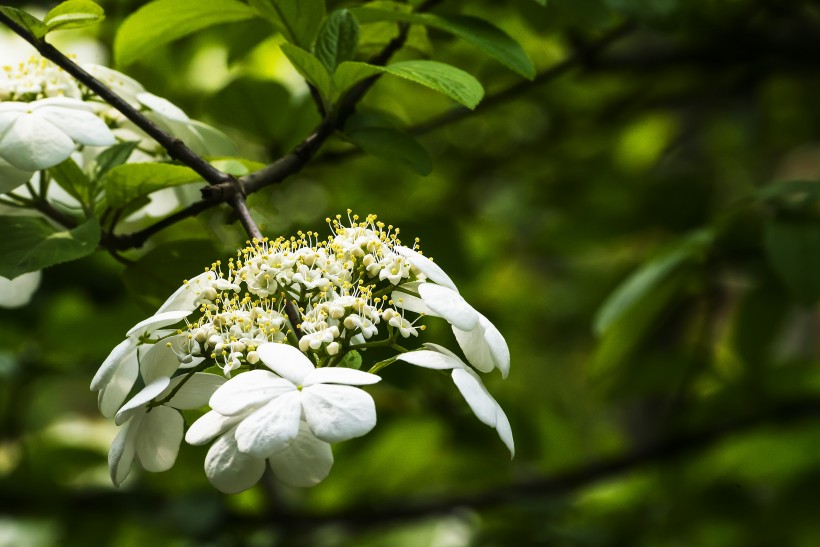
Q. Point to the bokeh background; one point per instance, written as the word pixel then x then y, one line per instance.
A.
pixel 640 222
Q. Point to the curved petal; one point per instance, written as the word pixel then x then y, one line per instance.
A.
pixel 163 107
pixel 337 375
pixel 411 303
pixel 158 361
pixel 429 268
pixel 17 292
pixel 31 143
pixel 497 346
pixel 207 140
pixel 306 462
pixel 124 350
pixel 270 428
pixel 124 86
pixel 449 305
pixel 159 437
pixel 145 395
pixel 228 469
pixel 209 426
pixel 121 454
pixel 247 390
pixel 116 390
pixel 481 402
pixel 196 392
pixel 338 413
pixel 286 361
pixel 82 126
pixel 430 359
pixel 475 348
pixel 184 297
pixel 504 430
pixel 156 321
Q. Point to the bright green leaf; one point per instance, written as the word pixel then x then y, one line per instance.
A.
pixel 31 243
pixel 484 35
pixel 446 79
pixel 393 145
pixel 793 249
pixel 642 284
pixel 112 157
pixel 132 180
pixel 34 26
pixel 309 67
pixel 352 359
pixel 72 179
pixel 297 20
pixel 237 167
pixel 74 14
pixel 164 21
pixel 338 39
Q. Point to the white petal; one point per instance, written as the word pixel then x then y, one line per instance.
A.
pixel 211 141
pixel 157 321
pixel 116 390
pixel 270 428
pixel 441 349
pixel 228 469
pixel 196 392
pixel 411 303
pixel 475 348
pixel 481 402
pixel 125 349
pixel 504 430
pixel 286 361
pixel 82 126
pixel 32 143
pixel 247 390
pixel 159 438
pixel 306 462
pixel 338 413
pixel 17 292
pixel 449 305
pixel 157 361
pixel 12 177
pixel 145 395
pixel 430 359
pixel 163 107
pixel 184 297
pixel 497 345
pixel 429 268
pixel 121 454
pixel 336 375
pixel 124 86
pixel 209 426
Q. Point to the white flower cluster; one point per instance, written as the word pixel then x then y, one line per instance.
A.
pixel 46 116
pixel 272 346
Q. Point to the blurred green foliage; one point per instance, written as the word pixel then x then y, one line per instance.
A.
pixel 632 226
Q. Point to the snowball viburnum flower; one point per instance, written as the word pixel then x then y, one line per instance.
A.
pixel 333 409
pixel 43 133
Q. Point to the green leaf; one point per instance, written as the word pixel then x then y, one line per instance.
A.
pixel 393 145
pixel 132 180
pixel 31 243
pixel 446 79
pixel 74 14
pixel 352 359
pixel 156 275
pixel 309 67
pixel 237 167
pixel 297 20
pixel 72 179
pixel 481 33
pixel 164 21
pixel 112 157
pixel 641 285
pixel 34 26
pixel 793 249
pixel 338 39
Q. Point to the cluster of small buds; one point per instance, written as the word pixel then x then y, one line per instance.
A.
pixel 279 326
pixel 34 79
